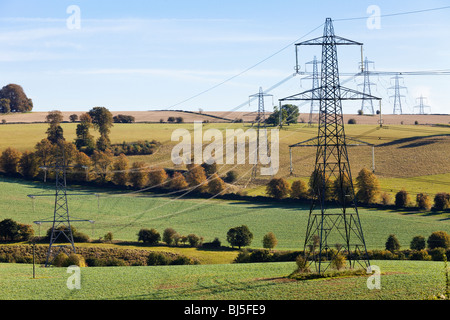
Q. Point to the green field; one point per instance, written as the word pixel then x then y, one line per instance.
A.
pixel 400 280
pixel 124 215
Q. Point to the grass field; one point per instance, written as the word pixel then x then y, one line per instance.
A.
pixel 400 280
pixel 124 215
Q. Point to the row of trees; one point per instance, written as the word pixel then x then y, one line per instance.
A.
pixel 438 239
pixel 367 186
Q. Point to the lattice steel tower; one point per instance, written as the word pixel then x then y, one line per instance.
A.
pixel 421 106
pixel 367 104
pixel 261 123
pixel 315 84
pixel 61 237
pixel 397 94
pixel 334 225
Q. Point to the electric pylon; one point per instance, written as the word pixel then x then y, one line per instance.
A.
pixel 397 94
pixel 334 226
pixel 367 104
pixel 61 231
pixel 315 84
pixel 421 106
pixel 261 123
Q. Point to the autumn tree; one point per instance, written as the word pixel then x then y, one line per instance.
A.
pixel 319 183
pixel 29 165
pixel 120 168
pixel 424 201
pixel 157 177
pixel 270 241
pixel 196 177
pixel 216 185
pixel 102 161
pixel 178 182
pixel 18 100
pixel 278 188
pixel 368 186
pixel 342 189
pixel 102 120
pixel 138 176
pixel 82 167
pixel 299 190
pixel 5 105
pixel 9 160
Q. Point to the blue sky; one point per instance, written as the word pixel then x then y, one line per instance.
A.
pixel 144 55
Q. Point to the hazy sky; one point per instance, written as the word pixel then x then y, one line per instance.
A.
pixel 144 55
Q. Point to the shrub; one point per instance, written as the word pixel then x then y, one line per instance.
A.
pixel 437 254
pixel 178 182
pixel 157 259
pixel 108 236
pixel 392 243
pixel 242 257
pixel 386 198
pixel 352 121
pixel 270 241
pixel 60 260
pixel 441 201
pixel 302 264
pixel 338 262
pixel 194 240
pixel 418 243
pixel 420 255
pixel 439 239
pixel 231 176
pixel 299 190
pixel 9 161
pixel 182 260
pixel 76 260
pixel 402 199
pixel 150 236
pixel 216 185
pixel 423 201
pixel 213 244
pixel 278 188
pixel 169 236
pixel 157 177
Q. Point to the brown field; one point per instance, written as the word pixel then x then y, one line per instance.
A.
pixel 224 116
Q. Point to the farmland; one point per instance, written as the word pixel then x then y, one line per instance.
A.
pixel 400 280
pixel 406 156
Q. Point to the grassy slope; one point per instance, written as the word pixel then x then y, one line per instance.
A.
pixel 125 215
pixel 400 280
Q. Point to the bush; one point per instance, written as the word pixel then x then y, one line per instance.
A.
pixel 231 176
pixel 76 260
pixel 439 239
pixel 302 264
pixel 421 255
pixel 194 240
pixel 437 254
pixel 368 186
pixel 441 201
pixel 270 241
pixel 418 243
pixel 423 201
pixel 338 262
pixel 213 244
pixel 169 235
pixel 150 236
pixel 278 188
pixel 299 190
pixel 386 198
pixel 61 260
pixel 402 199
pixel 392 243
pixel 352 121
pixel 108 236
pixel 157 259
pixel 121 118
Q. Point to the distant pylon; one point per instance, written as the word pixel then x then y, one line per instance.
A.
pixel 315 105
pixel 367 104
pixel 397 94
pixel 421 106
pixel 261 124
